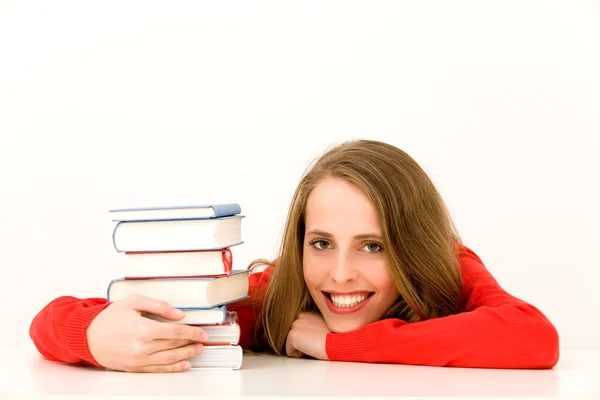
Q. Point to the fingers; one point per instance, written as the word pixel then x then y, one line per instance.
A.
pixel 157 307
pixel 165 344
pixel 172 356
pixel 295 353
pixel 290 350
pixel 179 366
pixel 309 316
pixel 167 330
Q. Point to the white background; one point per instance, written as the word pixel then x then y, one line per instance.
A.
pixel 124 104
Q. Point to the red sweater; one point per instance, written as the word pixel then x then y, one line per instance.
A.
pixel 496 330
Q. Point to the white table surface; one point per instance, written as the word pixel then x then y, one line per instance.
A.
pixel 24 373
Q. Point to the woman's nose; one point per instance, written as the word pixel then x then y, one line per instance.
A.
pixel 343 269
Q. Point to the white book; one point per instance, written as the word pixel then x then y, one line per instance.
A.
pixel 202 292
pixel 179 235
pixel 218 358
pixel 221 333
pixel 177 263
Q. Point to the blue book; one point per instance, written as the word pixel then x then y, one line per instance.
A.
pixel 199 316
pixel 185 293
pixel 175 212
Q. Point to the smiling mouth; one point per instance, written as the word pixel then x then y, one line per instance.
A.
pixel 347 300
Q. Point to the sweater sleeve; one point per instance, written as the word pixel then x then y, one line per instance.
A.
pixel 248 310
pixel 58 330
pixel 496 330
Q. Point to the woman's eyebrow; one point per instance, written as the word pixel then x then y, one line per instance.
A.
pixel 363 236
pixel 318 232
pixel 368 236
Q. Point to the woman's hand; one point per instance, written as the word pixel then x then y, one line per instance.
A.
pixel 307 337
pixel 120 338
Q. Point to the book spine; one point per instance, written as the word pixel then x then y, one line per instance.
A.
pixel 114 233
pixel 224 210
pixel 109 287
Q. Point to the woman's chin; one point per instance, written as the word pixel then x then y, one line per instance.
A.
pixel 344 325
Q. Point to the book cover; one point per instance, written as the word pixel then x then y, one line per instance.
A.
pixel 197 316
pixel 182 212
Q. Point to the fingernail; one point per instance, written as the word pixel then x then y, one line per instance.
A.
pixel 199 349
pixel 204 336
pixel 178 312
pixel 186 365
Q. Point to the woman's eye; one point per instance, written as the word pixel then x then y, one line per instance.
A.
pixel 321 245
pixel 372 247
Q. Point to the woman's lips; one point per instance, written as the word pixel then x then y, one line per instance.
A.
pixel 346 310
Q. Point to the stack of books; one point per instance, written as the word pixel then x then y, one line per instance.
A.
pixel 182 255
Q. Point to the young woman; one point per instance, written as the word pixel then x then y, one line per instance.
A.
pixel 371 269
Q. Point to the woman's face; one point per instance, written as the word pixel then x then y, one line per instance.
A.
pixel 345 267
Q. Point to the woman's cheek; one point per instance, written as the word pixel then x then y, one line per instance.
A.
pixel 310 279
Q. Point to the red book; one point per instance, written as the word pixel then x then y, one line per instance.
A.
pixel 180 264
pixel 225 334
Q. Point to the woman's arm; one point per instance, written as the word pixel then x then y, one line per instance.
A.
pixel 58 330
pixel 496 330
pixel 116 335
pixel 248 310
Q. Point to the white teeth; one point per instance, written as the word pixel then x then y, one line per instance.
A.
pixel 342 301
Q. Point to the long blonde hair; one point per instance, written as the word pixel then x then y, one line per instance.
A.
pixel 420 239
